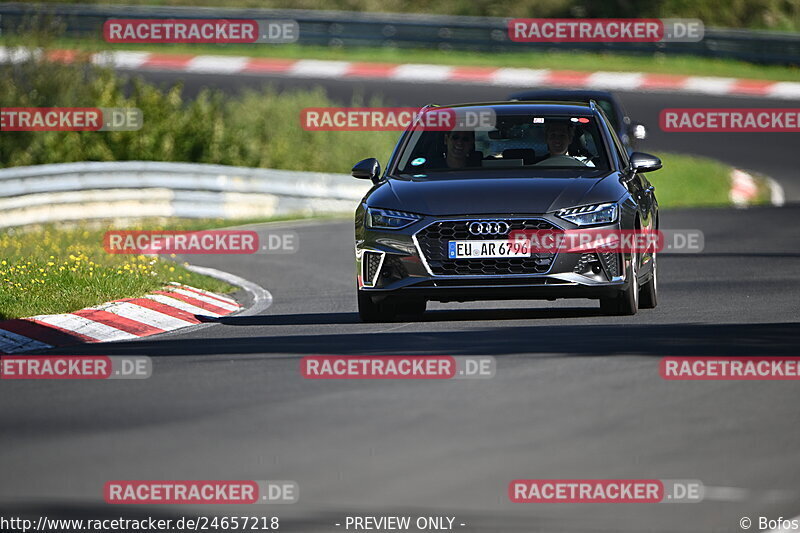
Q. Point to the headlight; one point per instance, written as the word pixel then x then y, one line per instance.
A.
pixel 588 215
pixel 388 219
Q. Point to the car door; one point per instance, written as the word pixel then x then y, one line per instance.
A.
pixel 641 191
pixel 639 187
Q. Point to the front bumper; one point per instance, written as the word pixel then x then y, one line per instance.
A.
pixel 395 262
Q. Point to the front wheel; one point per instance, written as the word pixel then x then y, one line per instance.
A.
pixel 648 295
pixel 369 311
pixel 627 301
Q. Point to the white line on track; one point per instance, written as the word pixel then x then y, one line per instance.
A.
pixel 132 60
pixel 629 81
pixel 725 494
pixel 708 85
pixel 180 304
pixel 207 299
pixel 217 64
pixel 519 77
pixel 427 73
pixel 319 68
pixel 261 296
pixel 213 295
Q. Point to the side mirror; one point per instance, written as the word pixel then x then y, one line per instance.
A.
pixel 642 162
pixel 367 169
pixel 639 131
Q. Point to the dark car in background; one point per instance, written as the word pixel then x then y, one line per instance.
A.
pixel 433 225
pixel 628 131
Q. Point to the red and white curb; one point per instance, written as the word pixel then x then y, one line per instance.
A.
pixel 744 190
pixel 507 77
pixel 176 306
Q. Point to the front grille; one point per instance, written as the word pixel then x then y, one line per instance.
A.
pixel 433 242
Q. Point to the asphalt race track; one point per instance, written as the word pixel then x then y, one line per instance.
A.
pixel 576 396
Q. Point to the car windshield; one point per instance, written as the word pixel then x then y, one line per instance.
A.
pixel 513 141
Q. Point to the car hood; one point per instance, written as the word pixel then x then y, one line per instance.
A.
pixel 470 196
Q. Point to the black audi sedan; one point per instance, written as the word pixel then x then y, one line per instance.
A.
pixel 433 225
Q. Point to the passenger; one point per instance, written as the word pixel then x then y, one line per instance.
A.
pixel 559 136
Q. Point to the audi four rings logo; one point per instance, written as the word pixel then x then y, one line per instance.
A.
pixel 489 228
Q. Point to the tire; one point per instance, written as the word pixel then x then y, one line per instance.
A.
pixel 369 311
pixel 648 294
pixel 626 303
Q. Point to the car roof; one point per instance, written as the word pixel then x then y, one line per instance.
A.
pixel 542 108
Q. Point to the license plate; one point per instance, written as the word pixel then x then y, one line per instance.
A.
pixel 487 249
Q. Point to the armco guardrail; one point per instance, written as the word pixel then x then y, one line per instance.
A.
pixel 136 189
pixel 339 28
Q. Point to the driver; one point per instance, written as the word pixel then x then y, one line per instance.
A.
pixel 459 145
pixel 459 151
pixel 559 136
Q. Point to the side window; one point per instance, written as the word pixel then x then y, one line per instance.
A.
pixel 618 148
pixel 623 154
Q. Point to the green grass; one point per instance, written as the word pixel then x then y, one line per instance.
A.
pixel 578 61
pixel 254 129
pixel 691 181
pixel 61 268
